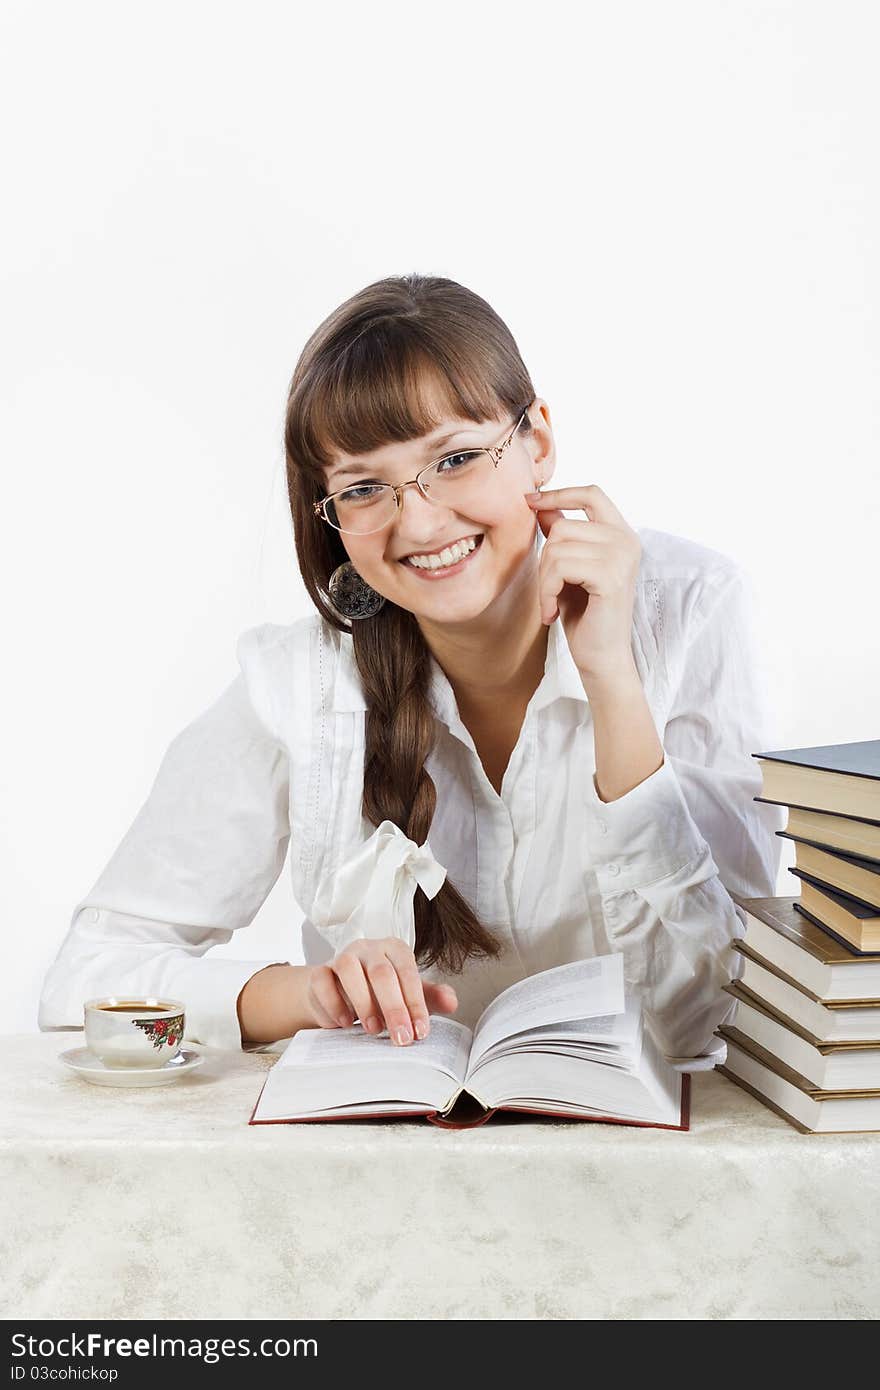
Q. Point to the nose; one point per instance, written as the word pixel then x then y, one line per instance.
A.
pixel 418 519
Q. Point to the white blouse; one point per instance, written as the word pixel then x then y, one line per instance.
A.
pixel 273 770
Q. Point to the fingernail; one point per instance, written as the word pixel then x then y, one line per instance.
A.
pixel 402 1036
pixel 421 1028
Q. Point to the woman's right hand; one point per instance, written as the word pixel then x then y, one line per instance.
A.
pixel 378 982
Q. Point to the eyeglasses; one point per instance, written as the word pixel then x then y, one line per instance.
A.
pixel 453 481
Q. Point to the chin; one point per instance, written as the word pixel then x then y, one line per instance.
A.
pixel 464 608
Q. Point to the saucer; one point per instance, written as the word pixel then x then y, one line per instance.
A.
pixel 91 1068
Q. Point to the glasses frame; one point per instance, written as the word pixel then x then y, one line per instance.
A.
pixel 496 454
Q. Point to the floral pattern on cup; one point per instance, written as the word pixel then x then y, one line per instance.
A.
pixel 162 1030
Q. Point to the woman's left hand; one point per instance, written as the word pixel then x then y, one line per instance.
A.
pixel 588 572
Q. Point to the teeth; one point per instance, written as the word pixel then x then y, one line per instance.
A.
pixel 447 557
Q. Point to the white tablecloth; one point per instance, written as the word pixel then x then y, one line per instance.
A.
pixel 165 1203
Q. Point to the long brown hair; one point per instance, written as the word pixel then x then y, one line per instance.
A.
pixel 361 383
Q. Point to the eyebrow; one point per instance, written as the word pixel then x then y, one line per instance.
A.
pixel 427 449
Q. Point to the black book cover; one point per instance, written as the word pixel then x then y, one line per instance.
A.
pixel 799 806
pixel 861 861
pixel 854 950
pixel 854 759
pixel 856 906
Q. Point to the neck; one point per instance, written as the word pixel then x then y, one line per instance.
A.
pixel 496 660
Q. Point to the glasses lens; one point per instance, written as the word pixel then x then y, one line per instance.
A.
pixel 362 508
pixel 453 481
pixel 459 479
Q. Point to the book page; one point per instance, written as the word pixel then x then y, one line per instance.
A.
pixel 578 990
pixel 615 1036
pixel 579 1085
pixel 612 1040
pixel 445 1048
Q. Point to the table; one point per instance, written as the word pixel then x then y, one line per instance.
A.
pixel 165 1204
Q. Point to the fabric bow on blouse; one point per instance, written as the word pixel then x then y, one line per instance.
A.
pixel 371 894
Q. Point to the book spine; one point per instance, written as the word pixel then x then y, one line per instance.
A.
pixel 437 1119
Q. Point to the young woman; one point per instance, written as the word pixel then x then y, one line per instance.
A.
pixel 506 739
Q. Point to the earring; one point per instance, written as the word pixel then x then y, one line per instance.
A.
pixel 351 595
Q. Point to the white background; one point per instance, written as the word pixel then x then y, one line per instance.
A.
pixel 672 206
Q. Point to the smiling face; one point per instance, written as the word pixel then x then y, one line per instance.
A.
pixel 497 531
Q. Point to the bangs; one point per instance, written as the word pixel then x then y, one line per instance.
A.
pixel 392 384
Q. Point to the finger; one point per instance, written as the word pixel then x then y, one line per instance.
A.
pixel 548 518
pixel 322 1018
pixel 554 522
pixel 570 562
pixel 440 998
pixel 579 528
pixel 596 503
pixel 349 970
pixel 327 1001
pixel 403 960
pixel 385 985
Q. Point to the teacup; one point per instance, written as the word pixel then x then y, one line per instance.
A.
pixel 129 1032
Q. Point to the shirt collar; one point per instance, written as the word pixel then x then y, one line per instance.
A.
pixel 561 680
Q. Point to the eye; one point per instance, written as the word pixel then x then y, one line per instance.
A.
pixel 456 463
pixel 361 492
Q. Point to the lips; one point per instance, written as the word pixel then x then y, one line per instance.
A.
pixel 439 573
pixel 425 554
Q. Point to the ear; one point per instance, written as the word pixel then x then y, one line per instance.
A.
pixel 546 470
pixel 542 445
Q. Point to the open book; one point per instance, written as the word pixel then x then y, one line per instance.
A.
pixel 563 1042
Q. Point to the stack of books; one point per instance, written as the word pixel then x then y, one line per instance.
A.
pixel 805 1037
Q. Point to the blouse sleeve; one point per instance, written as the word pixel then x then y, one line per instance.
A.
pixel 669 849
pixel 195 866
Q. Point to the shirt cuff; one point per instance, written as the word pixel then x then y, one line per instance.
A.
pixel 643 835
pixel 209 989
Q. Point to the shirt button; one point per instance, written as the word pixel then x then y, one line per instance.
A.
pixel 612 868
pixel 602 826
pixel 93 914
